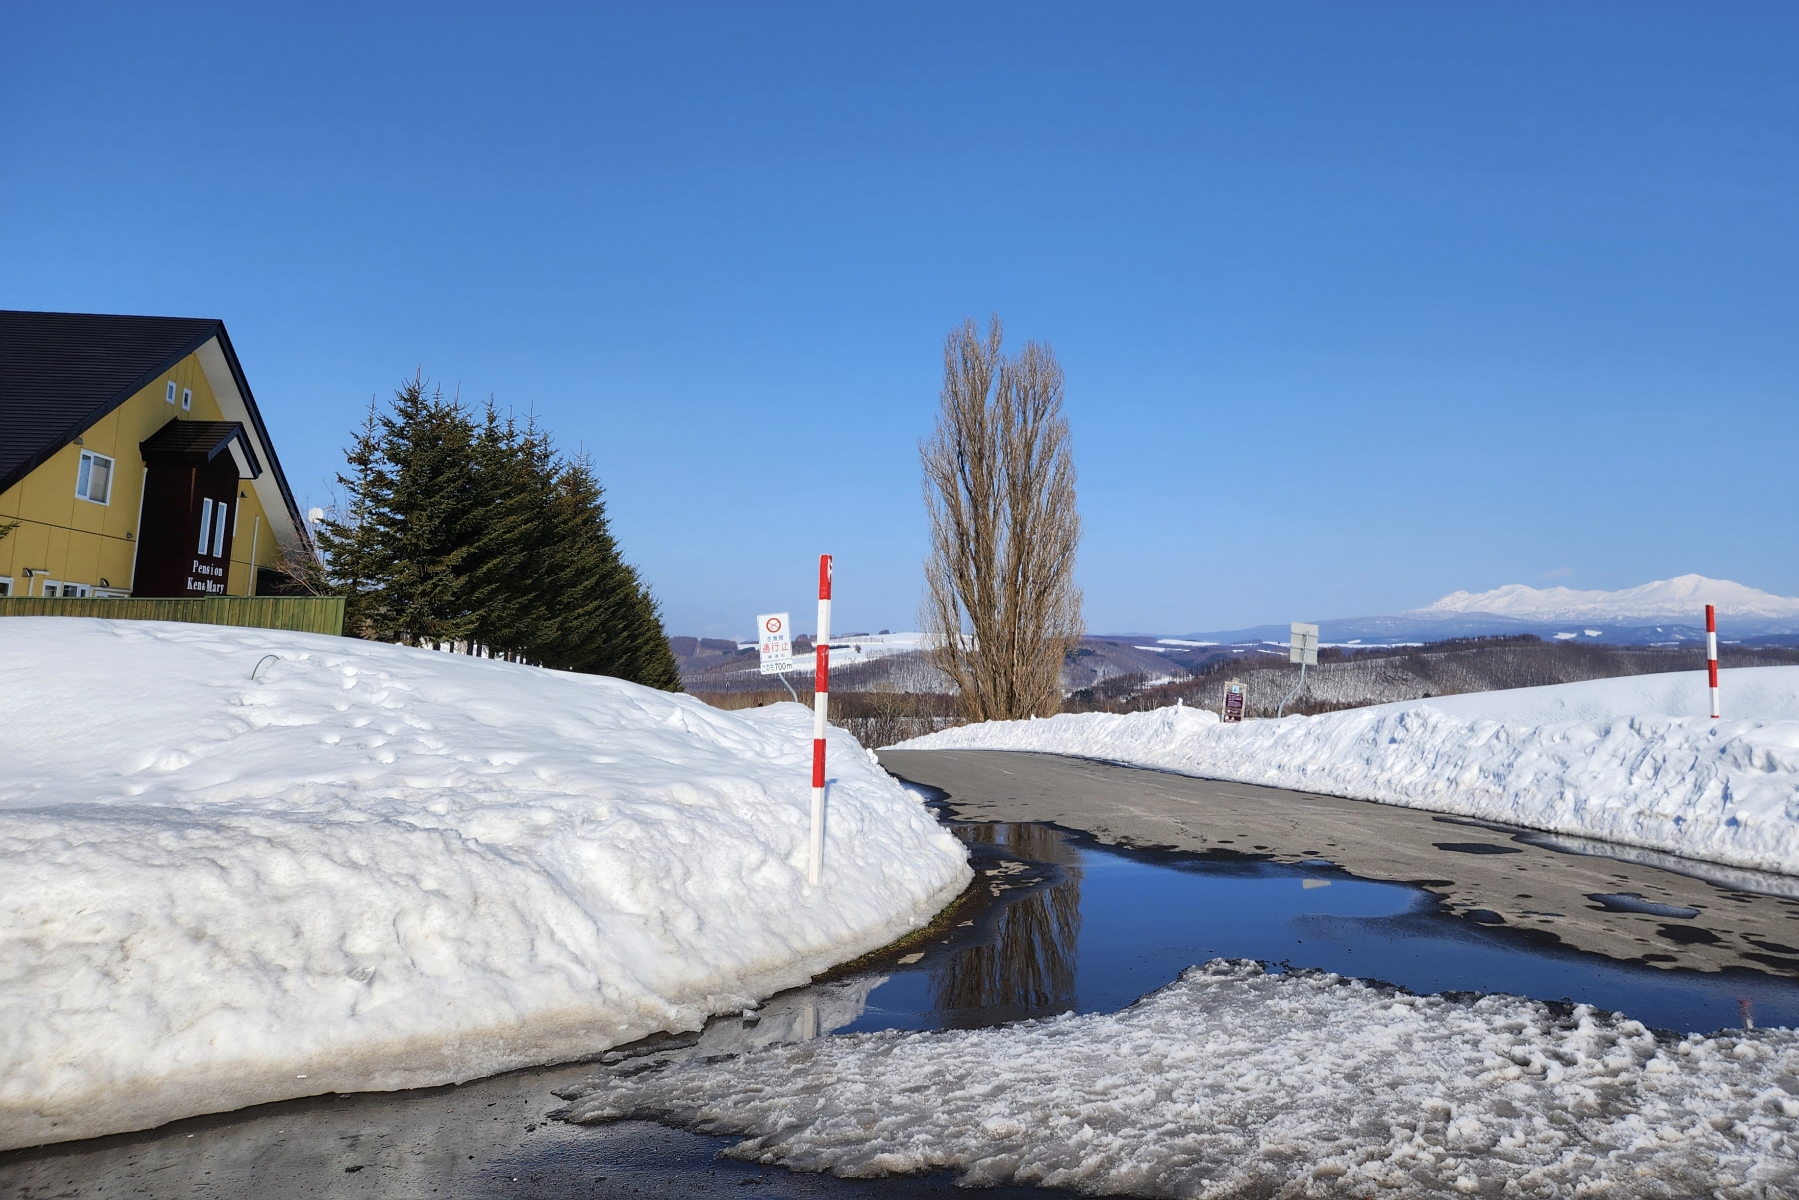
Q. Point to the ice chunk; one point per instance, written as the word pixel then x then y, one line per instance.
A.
pixel 1234 1082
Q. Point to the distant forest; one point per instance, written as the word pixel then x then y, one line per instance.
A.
pixel 1354 678
pixel 900 696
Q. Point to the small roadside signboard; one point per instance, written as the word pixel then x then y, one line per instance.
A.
pixel 1233 701
pixel 776 640
pixel 1303 649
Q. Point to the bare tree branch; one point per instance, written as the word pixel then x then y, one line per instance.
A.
pixel 1001 608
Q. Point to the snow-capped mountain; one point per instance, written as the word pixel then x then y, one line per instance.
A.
pixel 1665 612
pixel 1681 599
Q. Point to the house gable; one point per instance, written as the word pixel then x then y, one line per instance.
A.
pixel 65 535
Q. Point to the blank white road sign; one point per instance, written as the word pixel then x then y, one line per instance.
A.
pixel 1304 646
pixel 776 641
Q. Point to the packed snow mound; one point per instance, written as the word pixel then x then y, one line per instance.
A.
pixel 1232 1082
pixel 1748 693
pixel 1634 760
pixel 377 867
pixel 1682 599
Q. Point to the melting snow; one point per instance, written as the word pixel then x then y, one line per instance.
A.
pixel 1232 1082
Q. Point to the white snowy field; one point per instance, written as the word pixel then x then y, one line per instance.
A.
pixel 1635 760
pixel 1232 1082
pixel 377 867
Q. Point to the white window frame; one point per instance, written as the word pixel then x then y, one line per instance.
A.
pixel 205 524
pixel 187 399
pixel 84 477
pixel 5 585
pixel 170 397
pixel 218 529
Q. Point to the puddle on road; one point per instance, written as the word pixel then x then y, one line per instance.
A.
pixel 1094 927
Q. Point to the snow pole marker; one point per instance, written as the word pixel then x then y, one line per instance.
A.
pixel 821 702
pixel 1711 653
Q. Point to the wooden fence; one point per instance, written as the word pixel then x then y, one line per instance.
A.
pixel 302 614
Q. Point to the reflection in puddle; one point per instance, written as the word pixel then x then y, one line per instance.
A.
pixel 1091 928
pixel 1027 967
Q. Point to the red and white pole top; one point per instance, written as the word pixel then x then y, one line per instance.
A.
pixel 821 702
pixel 1711 653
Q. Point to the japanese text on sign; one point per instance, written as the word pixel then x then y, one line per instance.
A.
pixel 776 643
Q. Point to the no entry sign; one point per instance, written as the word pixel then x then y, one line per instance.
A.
pixel 776 641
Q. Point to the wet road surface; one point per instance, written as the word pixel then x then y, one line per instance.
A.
pixel 1625 904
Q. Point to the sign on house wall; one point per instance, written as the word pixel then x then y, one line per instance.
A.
pixel 776 639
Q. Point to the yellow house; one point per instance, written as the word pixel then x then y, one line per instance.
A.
pixel 133 462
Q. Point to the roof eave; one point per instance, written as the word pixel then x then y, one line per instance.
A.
pixel 273 466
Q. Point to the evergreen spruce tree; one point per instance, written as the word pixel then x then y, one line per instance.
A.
pixel 514 482
pixel 348 537
pixel 607 622
pixel 428 443
pixel 454 531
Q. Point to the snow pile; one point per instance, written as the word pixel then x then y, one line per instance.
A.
pixel 1623 760
pixel 378 867
pixel 1233 1082
pixel 1751 693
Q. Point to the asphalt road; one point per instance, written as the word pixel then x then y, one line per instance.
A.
pixel 1493 874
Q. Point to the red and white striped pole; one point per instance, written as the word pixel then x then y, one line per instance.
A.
pixel 821 702
pixel 1711 652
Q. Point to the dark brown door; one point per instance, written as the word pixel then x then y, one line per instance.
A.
pixel 184 544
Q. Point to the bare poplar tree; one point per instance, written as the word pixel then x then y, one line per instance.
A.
pixel 1001 609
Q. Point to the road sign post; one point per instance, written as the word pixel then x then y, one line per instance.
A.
pixel 776 638
pixel 774 635
pixel 1302 648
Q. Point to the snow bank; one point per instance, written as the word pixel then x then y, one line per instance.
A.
pixel 1231 1082
pixel 378 867
pixel 1749 693
pixel 1623 760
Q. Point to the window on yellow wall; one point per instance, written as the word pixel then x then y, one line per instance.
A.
pixel 171 396
pixel 93 480
pixel 187 398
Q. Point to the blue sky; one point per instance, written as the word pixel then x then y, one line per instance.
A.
pixel 1358 304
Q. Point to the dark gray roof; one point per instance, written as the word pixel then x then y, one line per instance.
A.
pixel 196 442
pixel 62 372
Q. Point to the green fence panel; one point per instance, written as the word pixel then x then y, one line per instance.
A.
pixel 302 614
